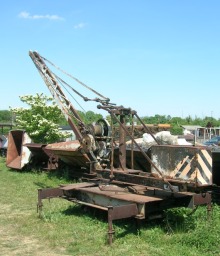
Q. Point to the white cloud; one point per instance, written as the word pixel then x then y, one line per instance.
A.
pixel 80 25
pixel 26 15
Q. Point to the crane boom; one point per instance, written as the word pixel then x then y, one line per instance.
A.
pixel 66 107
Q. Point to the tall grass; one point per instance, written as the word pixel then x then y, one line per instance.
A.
pixel 69 229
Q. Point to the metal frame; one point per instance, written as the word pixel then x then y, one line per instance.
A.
pixel 120 202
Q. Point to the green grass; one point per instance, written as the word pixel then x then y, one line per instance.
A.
pixel 67 229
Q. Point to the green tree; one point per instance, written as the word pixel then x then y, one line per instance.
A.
pixel 41 120
pixel 89 116
pixel 176 130
pixel 5 116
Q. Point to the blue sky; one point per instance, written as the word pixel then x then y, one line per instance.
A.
pixel 157 57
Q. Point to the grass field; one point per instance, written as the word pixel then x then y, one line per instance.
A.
pixel 67 229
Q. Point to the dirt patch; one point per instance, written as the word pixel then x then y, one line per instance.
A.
pixel 21 245
pixel 12 243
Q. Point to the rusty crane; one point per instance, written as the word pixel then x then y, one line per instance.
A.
pixel 111 183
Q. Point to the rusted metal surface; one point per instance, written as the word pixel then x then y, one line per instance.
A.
pixel 42 157
pixel 120 203
pixel 47 193
pixel 37 149
pixel 137 159
pixel 18 155
pixel 124 211
pixel 193 164
pixel 202 199
pixel 70 153
pixel 122 145
pixel 76 186
pixel 119 212
pixel 147 179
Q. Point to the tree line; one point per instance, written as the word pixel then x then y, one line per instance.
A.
pixel 43 118
pixel 88 117
pixel 6 116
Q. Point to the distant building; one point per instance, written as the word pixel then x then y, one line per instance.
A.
pixel 190 129
pixel 201 133
pixel 5 125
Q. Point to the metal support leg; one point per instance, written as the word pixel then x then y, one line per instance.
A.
pixel 47 193
pixel 39 203
pixel 110 225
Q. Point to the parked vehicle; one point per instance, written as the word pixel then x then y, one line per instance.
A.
pixel 3 145
pixel 215 141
